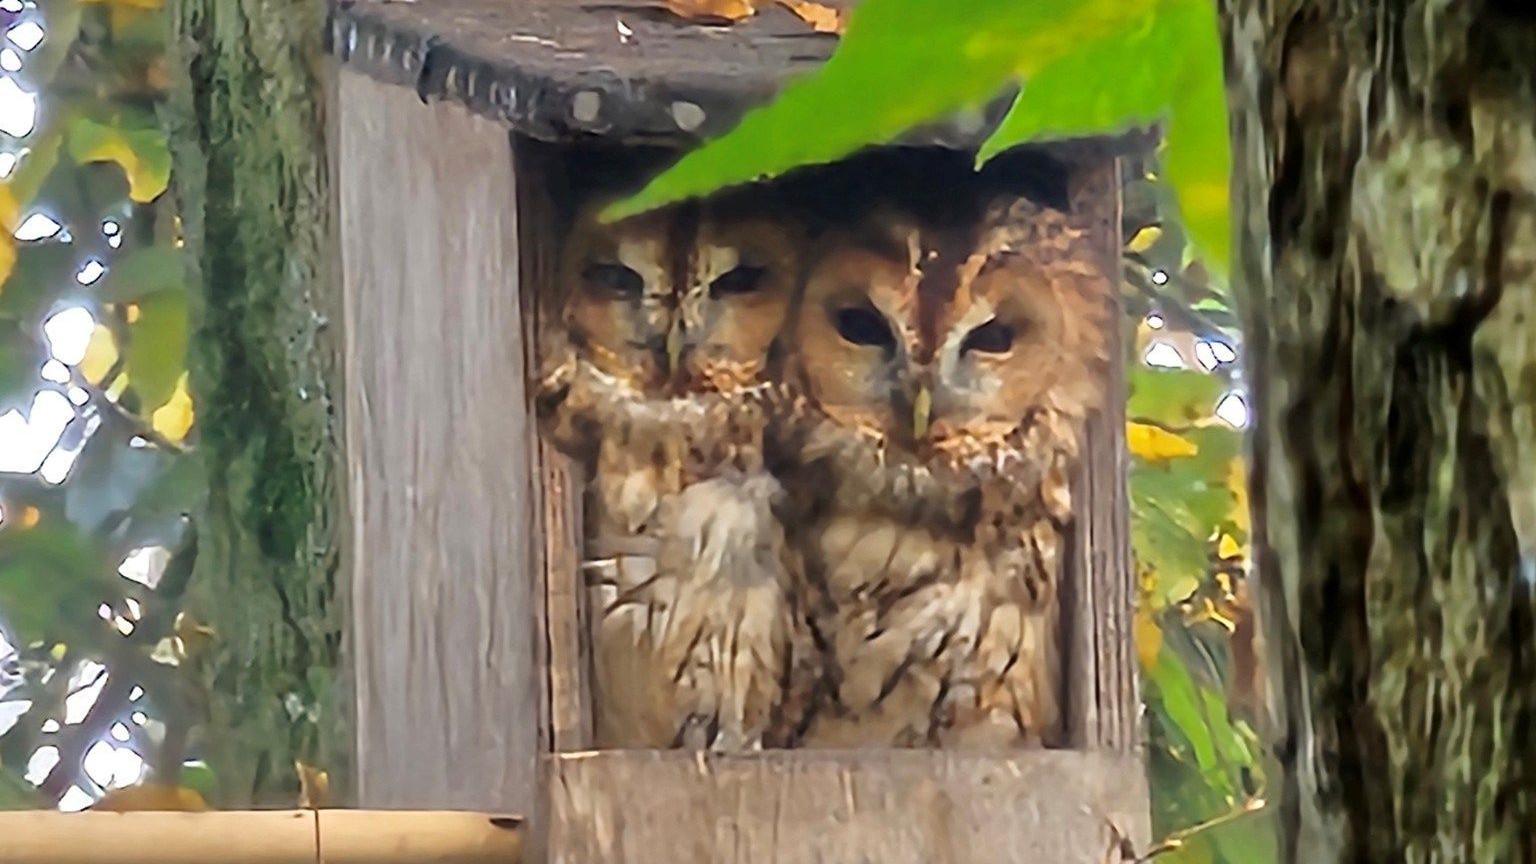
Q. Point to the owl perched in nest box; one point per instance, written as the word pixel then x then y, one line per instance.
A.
pixel 941 376
pixel 670 324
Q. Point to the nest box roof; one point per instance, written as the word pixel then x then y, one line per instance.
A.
pixel 623 70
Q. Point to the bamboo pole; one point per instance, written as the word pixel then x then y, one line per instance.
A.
pixel 259 837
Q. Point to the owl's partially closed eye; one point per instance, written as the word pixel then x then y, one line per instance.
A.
pixel 620 300
pixel 735 295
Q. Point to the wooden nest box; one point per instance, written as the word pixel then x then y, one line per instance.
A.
pixel 467 135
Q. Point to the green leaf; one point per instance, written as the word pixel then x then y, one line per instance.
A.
pixel 1179 698
pixel 47 573
pixel 41 269
pixel 1176 557
pixel 157 349
pixel 16 793
pixel 901 63
pixel 136 143
pixel 198 777
pixel 144 271
pixel 1172 398
pixel 1197 159
pixel 20 358
pixel 1104 86
pixel 34 169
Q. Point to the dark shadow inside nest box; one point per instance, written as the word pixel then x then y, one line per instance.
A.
pixel 934 183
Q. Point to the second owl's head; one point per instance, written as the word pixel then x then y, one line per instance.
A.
pixel 684 299
pixel 735 289
pixel 945 337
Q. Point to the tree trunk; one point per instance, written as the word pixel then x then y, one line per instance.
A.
pixel 1386 200
pixel 248 135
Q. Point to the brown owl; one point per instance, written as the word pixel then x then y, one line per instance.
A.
pixel 661 393
pixel 942 373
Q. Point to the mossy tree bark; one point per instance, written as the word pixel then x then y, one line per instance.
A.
pixel 1386 198
pixel 248 134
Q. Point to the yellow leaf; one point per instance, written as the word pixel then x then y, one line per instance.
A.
pixel 1156 444
pixel 152 796
pixel 146 179
pixel 1237 481
pixel 1182 589
pixel 1228 547
pixel 192 636
pixel 712 11
pixel 174 419
pixel 100 355
pixel 1149 639
pixel 7 257
pixel 1143 239
pixel 10 208
pixel 314 786
pixel 823 19
pixel 30 516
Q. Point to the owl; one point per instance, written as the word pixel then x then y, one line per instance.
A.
pixel 659 388
pixel 942 371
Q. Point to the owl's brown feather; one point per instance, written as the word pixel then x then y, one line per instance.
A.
pixel 660 392
pixel 942 377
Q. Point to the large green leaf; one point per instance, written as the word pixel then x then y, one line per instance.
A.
pixel 144 271
pixel 1103 86
pixel 902 63
pixel 1172 398
pixel 1197 158
pixel 1088 67
pixel 157 350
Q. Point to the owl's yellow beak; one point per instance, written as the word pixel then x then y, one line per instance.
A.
pixel 922 412
pixel 674 347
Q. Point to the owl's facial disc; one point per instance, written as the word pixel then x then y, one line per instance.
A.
pixel 735 300
pixel 1000 354
pixel 855 337
pixel 620 303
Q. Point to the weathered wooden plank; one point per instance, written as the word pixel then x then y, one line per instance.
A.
pixel 1103 702
pixel 438 437
pixel 542 218
pixel 787 807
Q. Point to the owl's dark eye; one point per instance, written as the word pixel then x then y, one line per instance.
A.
pixel 993 337
pixel 864 326
pixel 741 280
pixel 613 279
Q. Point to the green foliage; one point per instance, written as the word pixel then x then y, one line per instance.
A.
pixel 44 570
pixel 158 342
pixel 98 155
pixel 1087 67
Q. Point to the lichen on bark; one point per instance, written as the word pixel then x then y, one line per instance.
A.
pixel 1386 270
pixel 247 132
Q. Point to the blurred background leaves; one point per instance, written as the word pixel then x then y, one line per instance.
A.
pixel 95 549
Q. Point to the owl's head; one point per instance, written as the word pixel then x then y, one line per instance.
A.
pixel 944 338
pixel 736 286
pixel 620 298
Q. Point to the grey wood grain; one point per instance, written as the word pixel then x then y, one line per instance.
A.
pixel 892 807
pixel 1103 702
pixel 444 606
